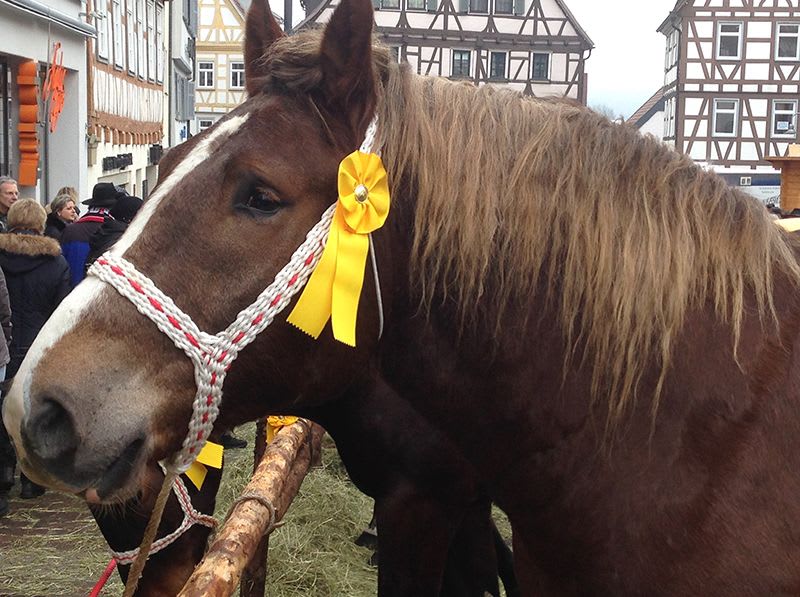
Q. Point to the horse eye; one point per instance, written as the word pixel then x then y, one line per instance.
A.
pixel 262 202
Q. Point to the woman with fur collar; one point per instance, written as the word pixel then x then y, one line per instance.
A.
pixel 37 276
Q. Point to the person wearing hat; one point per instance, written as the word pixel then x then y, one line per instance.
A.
pixel 37 277
pixel 113 227
pixel 75 238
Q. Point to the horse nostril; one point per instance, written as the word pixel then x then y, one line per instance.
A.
pixel 50 432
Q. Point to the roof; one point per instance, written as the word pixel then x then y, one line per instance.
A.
pixel 574 22
pixel 647 109
pixel 679 4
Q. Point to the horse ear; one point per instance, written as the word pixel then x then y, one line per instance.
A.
pixel 346 62
pixel 261 31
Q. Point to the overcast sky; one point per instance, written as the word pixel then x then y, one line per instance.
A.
pixel 627 63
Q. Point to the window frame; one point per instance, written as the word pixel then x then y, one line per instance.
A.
pixel 717 111
pixel 130 24
pixel 453 63
pixel 547 76
pixel 423 5
pixel 103 35
pixel 796 37
pixel 159 42
pixel 200 122
pixel 150 28
pixel 718 40
pixel 118 41
pixel 141 58
pixel 390 4
pixel 474 11
pixel 504 76
pixel 233 71
pixel 792 134
pixel 504 13
pixel 210 71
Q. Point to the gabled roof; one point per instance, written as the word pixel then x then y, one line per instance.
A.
pixel 679 4
pixel 574 22
pixel 647 109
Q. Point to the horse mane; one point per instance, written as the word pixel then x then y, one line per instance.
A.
pixel 515 194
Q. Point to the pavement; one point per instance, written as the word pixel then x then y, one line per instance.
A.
pixel 50 546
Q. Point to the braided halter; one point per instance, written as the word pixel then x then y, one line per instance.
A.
pixel 190 517
pixel 212 355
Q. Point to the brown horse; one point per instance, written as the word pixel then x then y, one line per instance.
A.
pixel 605 331
pixel 436 535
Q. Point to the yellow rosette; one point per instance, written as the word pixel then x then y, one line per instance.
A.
pixel 333 290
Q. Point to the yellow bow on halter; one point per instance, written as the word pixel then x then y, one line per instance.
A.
pixel 334 288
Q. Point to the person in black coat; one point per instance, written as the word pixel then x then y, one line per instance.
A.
pixel 114 226
pixel 75 238
pixel 37 276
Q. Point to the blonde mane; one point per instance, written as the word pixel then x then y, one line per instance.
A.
pixel 512 192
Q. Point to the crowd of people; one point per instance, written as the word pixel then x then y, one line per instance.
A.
pixel 44 253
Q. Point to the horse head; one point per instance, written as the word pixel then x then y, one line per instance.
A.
pixel 232 206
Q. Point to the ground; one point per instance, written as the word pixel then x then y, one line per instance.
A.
pixel 51 547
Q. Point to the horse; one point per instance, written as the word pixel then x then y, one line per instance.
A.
pixel 436 539
pixel 605 331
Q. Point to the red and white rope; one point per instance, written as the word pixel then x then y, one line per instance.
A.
pixel 190 518
pixel 212 355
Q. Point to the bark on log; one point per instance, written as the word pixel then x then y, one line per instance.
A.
pixel 254 577
pixel 278 478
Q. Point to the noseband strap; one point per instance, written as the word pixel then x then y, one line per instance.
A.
pixel 212 355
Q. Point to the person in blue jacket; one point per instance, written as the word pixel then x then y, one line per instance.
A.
pixel 75 238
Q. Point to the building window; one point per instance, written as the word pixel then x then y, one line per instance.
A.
pixel 497 65
pixel 390 3
pixel 480 6
pixel 671 56
pixel 151 39
pixel 159 43
pixel 119 44
pixel 415 4
pixel 783 118
pixel 237 75
pixel 395 50
pixel 788 42
pixel 140 42
pixel 540 69
pixel 102 23
pixel 205 75
pixel 461 63
pixel 504 7
pixel 130 24
pixel 204 124
pixel 729 41
pixel 726 114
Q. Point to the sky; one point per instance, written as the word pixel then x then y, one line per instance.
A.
pixel 627 64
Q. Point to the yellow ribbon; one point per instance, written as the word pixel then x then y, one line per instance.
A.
pixel 334 288
pixel 210 455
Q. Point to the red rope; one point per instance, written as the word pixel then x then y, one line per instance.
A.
pixel 104 578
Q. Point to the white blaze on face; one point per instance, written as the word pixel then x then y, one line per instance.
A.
pixel 84 296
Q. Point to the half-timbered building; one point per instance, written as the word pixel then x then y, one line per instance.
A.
pixel 219 78
pixel 126 92
pixel 732 85
pixel 535 46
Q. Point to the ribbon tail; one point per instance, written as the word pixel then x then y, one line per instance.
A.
pixel 313 308
pixel 197 474
pixel 352 259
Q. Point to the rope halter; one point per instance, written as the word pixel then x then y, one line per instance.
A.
pixel 212 355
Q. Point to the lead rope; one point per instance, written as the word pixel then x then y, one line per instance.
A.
pixel 212 355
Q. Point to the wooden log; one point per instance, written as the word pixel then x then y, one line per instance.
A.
pixel 254 578
pixel 278 478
